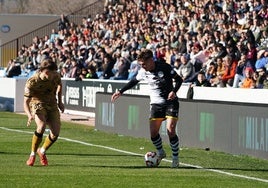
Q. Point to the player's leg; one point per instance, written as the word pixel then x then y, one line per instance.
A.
pixel 174 141
pixel 156 138
pixel 54 125
pixel 172 113
pixel 157 116
pixel 37 137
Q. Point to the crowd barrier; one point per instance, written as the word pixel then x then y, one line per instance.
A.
pixel 80 96
pixel 232 127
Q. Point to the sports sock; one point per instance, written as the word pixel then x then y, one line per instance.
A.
pixel 174 144
pixel 157 141
pixel 48 142
pixel 36 140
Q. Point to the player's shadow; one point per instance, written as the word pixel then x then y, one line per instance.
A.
pixel 95 154
pixel 166 164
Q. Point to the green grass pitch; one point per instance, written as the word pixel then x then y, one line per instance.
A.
pixel 85 157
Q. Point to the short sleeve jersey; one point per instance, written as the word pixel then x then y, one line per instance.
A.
pixel 160 81
pixel 42 91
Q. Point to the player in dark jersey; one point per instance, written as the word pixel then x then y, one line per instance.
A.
pixel 42 98
pixel 163 100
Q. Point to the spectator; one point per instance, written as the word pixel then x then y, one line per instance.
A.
pixel 264 38
pixel 186 69
pixel 262 59
pixel 107 67
pixel 173 56
pixel 133 70
pixel 239 73
pixel 152 24
pixel 53 36
pixel 220 71
pixel 91 72
pixel 255 28
pixel 123 67
pixel 248 82
pixel 197 56
pixel 260 77
pixel 74 69
pixel 63 23
pixel 211 72
pixel 251 55
pixel 82 74
pixel 227 78
pixel 182 45
pixel 13 69
pixel 202 80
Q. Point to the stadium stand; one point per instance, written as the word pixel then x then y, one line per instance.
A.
pixel 202 32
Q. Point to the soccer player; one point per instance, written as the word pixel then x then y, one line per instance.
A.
pixel 42 101
pixel 164 104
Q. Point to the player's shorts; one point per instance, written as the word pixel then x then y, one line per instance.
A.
pixel 168 109
pixel 51 113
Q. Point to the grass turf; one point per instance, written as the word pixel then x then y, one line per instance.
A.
pixel 85 157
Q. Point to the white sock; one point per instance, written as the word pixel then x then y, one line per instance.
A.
pixel 42 150
pixel 32 153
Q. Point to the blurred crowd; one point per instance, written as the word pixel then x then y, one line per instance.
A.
pixel 210 43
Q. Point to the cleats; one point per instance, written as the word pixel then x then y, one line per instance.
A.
pixel 43 158
pixel 161 155
pixel 31 160
pixel 175 163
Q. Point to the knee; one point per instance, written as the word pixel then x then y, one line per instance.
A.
pixel 171 134
pixel 53 137
pixel 171 131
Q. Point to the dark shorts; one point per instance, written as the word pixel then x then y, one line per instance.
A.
pixel 168 109
pixel 51 113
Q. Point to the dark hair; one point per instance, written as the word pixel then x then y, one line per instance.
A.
pixel 144 55
pixel 201 72
pixel 48 64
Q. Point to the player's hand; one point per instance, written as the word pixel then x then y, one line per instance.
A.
pixel 30 118
pixel 171 95
pixel 115 96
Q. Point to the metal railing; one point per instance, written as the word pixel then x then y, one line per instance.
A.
pixel 10 49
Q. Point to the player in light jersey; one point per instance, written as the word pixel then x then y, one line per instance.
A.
pixel 42 98
pixel 164 104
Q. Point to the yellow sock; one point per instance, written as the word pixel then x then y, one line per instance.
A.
pixel 48 142
pixel 36 140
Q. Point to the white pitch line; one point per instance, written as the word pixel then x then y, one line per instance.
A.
pixel 132 153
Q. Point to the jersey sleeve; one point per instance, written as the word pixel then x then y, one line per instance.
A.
pixel 28 87
pixel 178 80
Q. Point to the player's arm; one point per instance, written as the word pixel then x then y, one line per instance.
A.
pixel 129 85
pixel 178 82
pixel 27 99
pixel 59 97
pixel 26 106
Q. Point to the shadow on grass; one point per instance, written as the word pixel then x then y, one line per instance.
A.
pixel 102 155
pixel 120 166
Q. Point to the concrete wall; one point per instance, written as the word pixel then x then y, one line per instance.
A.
pixel 22 24
pixel 11 94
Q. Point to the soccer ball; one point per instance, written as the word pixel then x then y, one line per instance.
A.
pixel 151 159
